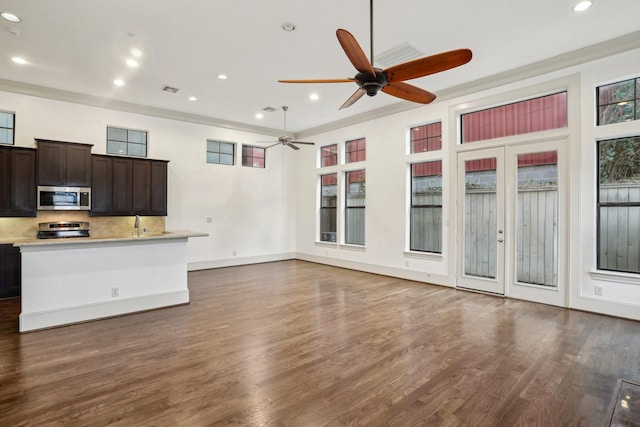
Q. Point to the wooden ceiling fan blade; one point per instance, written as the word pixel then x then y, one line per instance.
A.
pixel 409 92
pixel 318 81
pixel 428 65
pixel 353 98
pixel 302 142
pixel 354 52
pixel 290 145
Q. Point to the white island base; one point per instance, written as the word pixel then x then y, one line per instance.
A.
pixel 76 280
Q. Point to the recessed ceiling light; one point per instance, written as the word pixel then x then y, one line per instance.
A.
pixel 288 26
pixel 118 82
pixel 222 76
pixel 583 5
pixel 18 60
pixel 259 116
pixel 10 17
pixel 136 52
pixel 193 98
pixel 314 97
pixel 132 63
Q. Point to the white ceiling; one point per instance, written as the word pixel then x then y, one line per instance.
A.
pixel 80 46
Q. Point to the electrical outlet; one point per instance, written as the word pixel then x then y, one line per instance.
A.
pixel 235 253
pixel 598 290
pixel 115 292
pixel 209 220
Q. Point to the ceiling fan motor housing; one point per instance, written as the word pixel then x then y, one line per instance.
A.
pixel 372 83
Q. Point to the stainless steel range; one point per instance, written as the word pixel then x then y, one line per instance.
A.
pixel 62 229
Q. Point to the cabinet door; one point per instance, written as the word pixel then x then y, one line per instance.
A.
pixel 122 186
pixel 101 185
pixel 10 271
pixel 141 196
pixel 158 204
pixel 52 163
pixel 23 183
pixel 5 180
pixel 78 165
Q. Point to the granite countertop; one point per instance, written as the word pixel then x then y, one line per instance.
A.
pixel 166 235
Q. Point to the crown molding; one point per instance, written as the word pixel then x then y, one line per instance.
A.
pixel 586 54
pixel 95 101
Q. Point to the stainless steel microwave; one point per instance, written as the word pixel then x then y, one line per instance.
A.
pixel 64 198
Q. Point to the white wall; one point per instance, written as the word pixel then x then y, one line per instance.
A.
pixel 250 208
pixel 271 214
pixel 387 187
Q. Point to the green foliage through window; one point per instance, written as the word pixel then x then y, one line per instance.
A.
pixel 618 102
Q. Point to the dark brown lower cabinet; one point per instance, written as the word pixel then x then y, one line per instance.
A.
pixel 10 271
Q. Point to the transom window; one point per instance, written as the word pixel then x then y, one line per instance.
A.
pixel 329 155
pixel 7 127
pixel 253 156
pixel 221 153
pixel 533 115
pixel 426 138
pixel 619 205
pixel 129 142
pixel 356 150
pixel 426 207
pixel 619 102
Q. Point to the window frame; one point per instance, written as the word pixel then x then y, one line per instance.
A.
pixel 332 155
pixel 427 139
pixel 219 152
pixel 324 208
pixel 599 205
pixel 12 128
pixel 635 100
pixel 128 143
pixel 348 208
pixel 413 206
pixel 253 157
pixel 347 151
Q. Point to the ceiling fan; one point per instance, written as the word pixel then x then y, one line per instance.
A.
pixel 284 139
pixel 370 79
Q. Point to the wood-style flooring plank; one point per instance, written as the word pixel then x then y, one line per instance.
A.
pixel 300 344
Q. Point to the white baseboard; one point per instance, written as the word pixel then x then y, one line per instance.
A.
pixel 231 262
pixel 68 315
pixel 408 274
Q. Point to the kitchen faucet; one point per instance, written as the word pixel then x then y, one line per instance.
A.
pixel 136 225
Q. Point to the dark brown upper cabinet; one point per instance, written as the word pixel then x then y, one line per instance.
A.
pixel 64 163
pixel 126 186
pixel 18 196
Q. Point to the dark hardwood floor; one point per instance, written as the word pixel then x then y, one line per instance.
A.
pixel 299 344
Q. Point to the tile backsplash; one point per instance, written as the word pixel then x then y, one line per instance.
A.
pixel 100 226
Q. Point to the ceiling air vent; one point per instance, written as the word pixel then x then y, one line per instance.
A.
pixel 269 109
pixel 170 89
pixel 399 54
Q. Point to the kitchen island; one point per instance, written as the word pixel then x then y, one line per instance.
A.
pixel 74 280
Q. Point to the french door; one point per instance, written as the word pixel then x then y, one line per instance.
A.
pixel 511 235
pixel 481 261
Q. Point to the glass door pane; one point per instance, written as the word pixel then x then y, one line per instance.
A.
pixel 480 219
pixel 537 219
